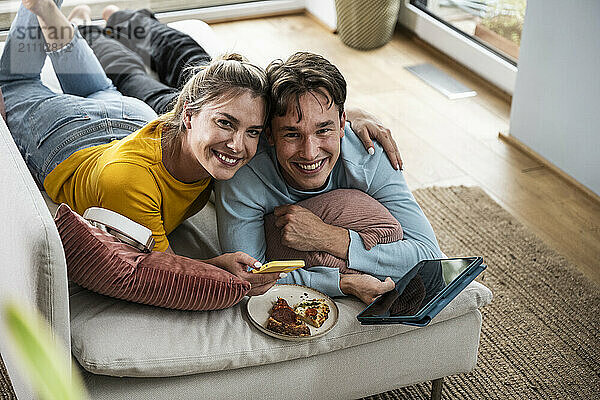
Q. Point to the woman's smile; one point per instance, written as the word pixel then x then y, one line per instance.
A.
pixel 228 160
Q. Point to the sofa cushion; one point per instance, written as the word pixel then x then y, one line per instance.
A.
pixel 98 261
pixel 444 349
pixel 118 338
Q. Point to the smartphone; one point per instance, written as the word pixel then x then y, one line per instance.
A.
pixel 279 266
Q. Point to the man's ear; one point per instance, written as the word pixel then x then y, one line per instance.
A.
pixel 269 133
pixel 342 124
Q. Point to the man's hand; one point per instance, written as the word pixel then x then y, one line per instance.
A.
pixel 302 230
pixel 238 263
pixel 367 127
pixel 366 287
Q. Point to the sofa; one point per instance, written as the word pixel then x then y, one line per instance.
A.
pixel 126 350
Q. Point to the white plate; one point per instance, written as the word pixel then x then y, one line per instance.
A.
pixel 258 308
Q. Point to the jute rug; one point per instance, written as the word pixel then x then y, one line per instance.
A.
pixel 541 334
pixel 540 337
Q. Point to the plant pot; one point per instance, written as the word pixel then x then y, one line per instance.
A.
pixel 366 24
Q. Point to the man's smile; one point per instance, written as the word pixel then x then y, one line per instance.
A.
pixel 310 168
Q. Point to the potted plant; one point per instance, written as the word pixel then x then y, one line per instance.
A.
pixel 40 356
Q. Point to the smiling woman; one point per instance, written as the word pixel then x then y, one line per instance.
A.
pixel 215 124
pixel 222 137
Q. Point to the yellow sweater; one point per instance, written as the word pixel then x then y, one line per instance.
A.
pixel 128 177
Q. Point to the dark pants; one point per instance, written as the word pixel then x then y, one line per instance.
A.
pixel 133 40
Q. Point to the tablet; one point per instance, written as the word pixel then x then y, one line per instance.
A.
pixel 423 292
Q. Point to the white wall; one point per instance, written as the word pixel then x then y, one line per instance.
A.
pixel 556 103
pixel 324 10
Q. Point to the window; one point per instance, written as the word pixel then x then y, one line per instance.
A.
pixel 9 8
pixel 494 24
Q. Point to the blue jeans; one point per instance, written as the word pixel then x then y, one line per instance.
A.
pixel 48 127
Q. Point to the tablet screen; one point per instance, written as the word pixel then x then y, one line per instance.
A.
pixel 420 286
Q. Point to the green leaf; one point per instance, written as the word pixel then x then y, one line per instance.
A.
pixel 42 358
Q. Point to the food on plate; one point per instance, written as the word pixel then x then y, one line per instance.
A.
pixel 312 311
pixel 285 321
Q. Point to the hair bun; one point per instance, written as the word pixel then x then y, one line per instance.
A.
pixel 232 57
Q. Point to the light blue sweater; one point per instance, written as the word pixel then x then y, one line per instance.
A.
pixel 257 188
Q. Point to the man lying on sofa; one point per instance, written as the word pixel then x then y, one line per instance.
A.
pixel 291 200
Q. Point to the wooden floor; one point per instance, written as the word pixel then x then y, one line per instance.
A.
pixel 443 142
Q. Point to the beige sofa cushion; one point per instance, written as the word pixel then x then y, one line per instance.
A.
pixel 118 338
pixel 351 373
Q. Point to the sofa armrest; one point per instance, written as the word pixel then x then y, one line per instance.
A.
pixel 32 268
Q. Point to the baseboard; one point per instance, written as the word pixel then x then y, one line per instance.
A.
pixel 516 143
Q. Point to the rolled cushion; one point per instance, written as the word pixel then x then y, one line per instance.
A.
pixel 99 262
pixel 346 208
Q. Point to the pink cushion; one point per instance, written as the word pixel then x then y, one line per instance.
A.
pixel 99 262
pixel 347 208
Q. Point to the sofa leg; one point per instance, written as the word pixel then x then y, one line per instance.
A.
pixel 436 389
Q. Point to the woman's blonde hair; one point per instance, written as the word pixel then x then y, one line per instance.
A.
pixel 224 78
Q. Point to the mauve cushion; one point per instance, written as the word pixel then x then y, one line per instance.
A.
pixel 346 208
pixel 99 262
